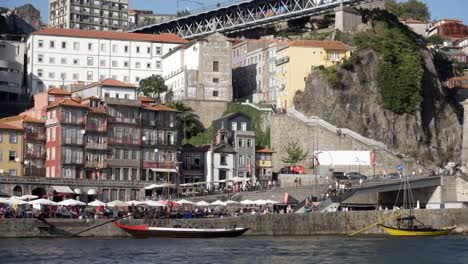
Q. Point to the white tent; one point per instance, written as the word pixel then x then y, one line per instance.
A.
pixel 260 202
pixel 70 202
pixel 154 203
pixel 135 203
pixel 185 202
pixel 202 203
pixel 28 197
pixel 247 202
pixel 228 202
pixel 43 201
pixel 271 202
pixel 3 200
pixel 117 203
pixel 219 203
pixel 97 203
pixel 15 200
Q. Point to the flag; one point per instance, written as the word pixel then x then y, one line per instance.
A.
pixel 317 161
pixel 286 198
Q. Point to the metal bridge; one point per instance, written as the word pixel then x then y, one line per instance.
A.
pixel 244 15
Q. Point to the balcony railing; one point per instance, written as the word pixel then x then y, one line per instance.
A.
pixel 73 121
pixel 124 141
pixel 71 161
pixel 95 128
pixel 35 155
pixel 72 141
pixel 94 145
pixel 151 143
pixel 95 164
pixel 123 120
pixel 35 136
pixel 35 172
pixel 156 164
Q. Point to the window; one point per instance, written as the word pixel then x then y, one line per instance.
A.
pixel 40 43
pixel 137 65
pixel 51 60
pixel 102 63
pixel 125 63
pixel 63 76
pixel 158 51
pixel 103 47
pixel 215 93
pixel 234 126
pixel 106 95
pixel 127 96
pixel 223 160
pixel 137 79
pixel 114 64
pixel 243 126
pixel 240 143
pixel 148 50
pixel 114 48
pixel 148 65
pixel 138 49
pixel 12 172
pixel 52 44
pixel 75 76
pixel 90 46
pixel 126 79
pixel 52 155
pixel 64 45
pixel 40 58
pixel 158 65
pixel 63 60
pixel 125 48
pixel 75 61
pixel 39 72
pixel 241 160
pixel 76 45
pixel 52 134
pixel 89 76
pixel 249 143
pixel 102 77
pixel 51 75
pixel 215 66
pixel 12 155
pixel 90 61
pixel 13 138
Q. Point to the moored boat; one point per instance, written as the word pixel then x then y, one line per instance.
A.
pixel 424 231
pixel 145 231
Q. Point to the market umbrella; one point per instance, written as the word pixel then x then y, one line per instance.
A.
pixel 3 200
pixel 219 203
pixel 97 203
pixel 247 202
pixel 28 197
pixel 154 203
pixel 43 201
pixel 260 202
pixel 135 203
pixel 70 202
pixel 117 203
pixel 202 203
pixel 185 202
pixel 228 202
pixel 271 202
pixel 15 200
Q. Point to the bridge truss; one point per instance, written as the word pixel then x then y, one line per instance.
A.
pixel 244 15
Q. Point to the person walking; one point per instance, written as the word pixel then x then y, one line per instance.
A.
pixel 300 181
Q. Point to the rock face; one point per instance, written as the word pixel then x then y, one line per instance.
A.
pixel 432 135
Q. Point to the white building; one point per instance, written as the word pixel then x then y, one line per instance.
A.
pixel 11 66
pixel 59 57
pixel 200 70
pixel 107 88
pixel 219 166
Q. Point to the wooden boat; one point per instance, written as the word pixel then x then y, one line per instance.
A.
pixel 417 232
pixel 145 231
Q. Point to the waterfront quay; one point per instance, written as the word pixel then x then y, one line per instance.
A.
pixel 334 223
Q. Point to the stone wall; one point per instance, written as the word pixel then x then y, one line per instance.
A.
pixel 337 223
pixel 207 111
pixel 287 128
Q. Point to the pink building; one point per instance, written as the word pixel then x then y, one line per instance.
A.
pixel 45 99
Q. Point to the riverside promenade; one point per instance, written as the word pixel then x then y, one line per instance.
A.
pixel 336 223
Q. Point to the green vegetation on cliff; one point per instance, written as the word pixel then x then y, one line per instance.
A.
pixel 413 9
pixel 400 73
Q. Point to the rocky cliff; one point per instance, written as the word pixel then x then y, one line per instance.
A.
pixel 432 134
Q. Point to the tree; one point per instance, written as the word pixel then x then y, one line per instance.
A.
pixel 187 118
pixel 294 153
pixel 152 86
pixel 410 9
pixel 169 96
pixel 183 13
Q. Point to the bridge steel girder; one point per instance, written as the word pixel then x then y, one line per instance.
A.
pixel 243 16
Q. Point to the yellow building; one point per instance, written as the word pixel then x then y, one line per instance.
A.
pixel 11 150
pixel 295 60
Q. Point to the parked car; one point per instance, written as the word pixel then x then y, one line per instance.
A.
pixel 393 175
pixel 356 176
pixel 338 175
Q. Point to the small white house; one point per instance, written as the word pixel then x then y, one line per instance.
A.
pixel 107 88
pixel 219 167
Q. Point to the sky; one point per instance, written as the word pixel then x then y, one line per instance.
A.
pixel 457 9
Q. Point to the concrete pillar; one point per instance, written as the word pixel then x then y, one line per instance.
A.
pixel 347 19
pixel 464 157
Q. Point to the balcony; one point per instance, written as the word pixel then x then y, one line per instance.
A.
pixel 72 141
pixel 263 163
pixel 123 163
pixel 35 155
pixel 35 172
pixel 282 60
pixel 120 101
pixel 95 164
pixel 124 141
pixel 72 121
pixel 155 164
pixel 95 128
pixel 123 120
pixel 94 145
pixel 31 136
pixel 71 161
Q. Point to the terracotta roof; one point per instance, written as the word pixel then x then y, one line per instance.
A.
pixel 163 107
pixel 58 91
pixel 23 117
pixel 107 82
pixel 145 99
pixel 165 38
pixel 327 45
pixel 97 110
pixel 412 21
pixel 264 150
pixel 68 102
pixel 9 127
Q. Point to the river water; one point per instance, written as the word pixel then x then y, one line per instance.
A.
pixel 289 250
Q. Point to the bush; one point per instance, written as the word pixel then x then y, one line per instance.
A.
pixel 331 74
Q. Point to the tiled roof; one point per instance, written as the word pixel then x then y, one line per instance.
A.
pixel 25 118
pixel 163 107
pixel 145 99
pixel 58 91
pixel 107 82
pixel 264 150
pixel 327 45
pixel 9 127
pixel 68 102
pixel 165 38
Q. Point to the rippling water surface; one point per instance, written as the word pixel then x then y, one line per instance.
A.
pixel 451 249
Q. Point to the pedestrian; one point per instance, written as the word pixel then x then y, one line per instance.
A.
pixel 295 182
pixel 300 182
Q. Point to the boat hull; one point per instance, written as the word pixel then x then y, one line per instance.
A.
pixel 144 231
pixel 410 233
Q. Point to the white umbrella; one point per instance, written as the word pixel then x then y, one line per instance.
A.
pixel 117 203
pixel 135 203
pixel 3 200
pixel 247 202
pixel 218 202
pixel 202 203
pixel 43 201
pixel 70 202
pixel 154 203
pixel 185 202
pixel 271 202
pixel 97 203
pixel 231 202
pixel 29 197
pixel 260 202
pixel 15 200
